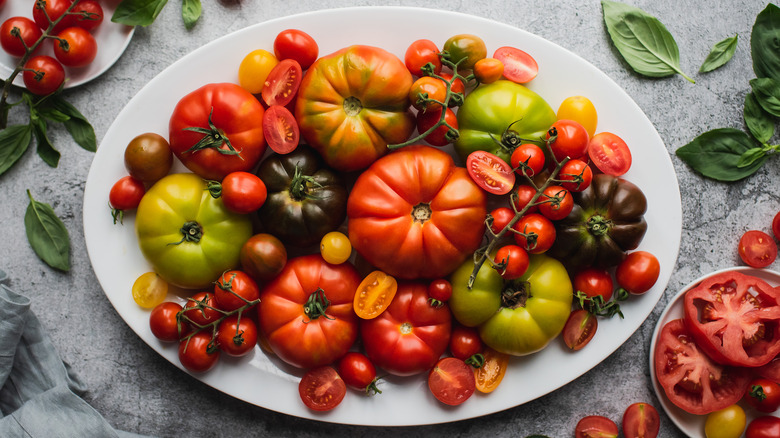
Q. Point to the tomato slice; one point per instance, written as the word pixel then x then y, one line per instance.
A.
pixel 491 373
pixel 641 420
pixel 579 329
pixel 690 379
pixel 757 249
pixel 596 426
pixel 735 319
pixel 374 294
pixel 490 172
pixel 519 66
pixel 609 153
pixel 321 388
pixel 282 83
pixel 280 129
pixel 771 370
pixel 451 381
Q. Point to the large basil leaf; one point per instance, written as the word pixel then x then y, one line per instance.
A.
pixel 767 94
pixel 47 234
pixel 77 125
pixel 190 12
pixel 720 54
pixel 760 123
pixel 138 12
pixel 765 43
pixel 716 154
pixel 642 40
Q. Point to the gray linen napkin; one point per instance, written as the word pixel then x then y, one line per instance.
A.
pixel 39 393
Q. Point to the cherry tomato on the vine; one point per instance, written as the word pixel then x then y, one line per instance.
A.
pixel 528 159
pixel 335 247
pixel 280 129
pixel 638 272
pixel 577 174
pixel 234 289
pixel 609 153
pixel 519 66
pixel 243 192
pixel 75 47
pixel 579 329
pixel 420 53
pixel 594 282
pixel 28 31
pixel 237 337
pixel 465 50
pixel 488 70
pixel 321 388
pixel 538 233
pixel 580 109
pixel 571 139
pixel 501 218
pixel 757 249
pixel 439 136
pixel 201 309
pixel 43 75
pixel 91 14
pixel 439 291
pixel 514 259
pixel 451 381
pixel 52 10
pixel 490 172
pixel 358 372
pixel 557 203
pixel 523 196
pixel 199 353
pixel 427 87
pixel 298 45
pixel 165 323
pixel 763 395
pixel 641 420
pixel 282 83
pixel 596 426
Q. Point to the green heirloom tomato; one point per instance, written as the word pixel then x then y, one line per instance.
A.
pixel 516 317
pixel 493 110
pixel 189 237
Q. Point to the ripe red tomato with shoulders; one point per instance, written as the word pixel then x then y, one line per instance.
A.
pixel 641 420
pixel 298 45
pixel 321 388
pixel 75 47
pixel 757 249
pixel 638 272
pixel 91 14
pixel 763 394
pixel 519 66
pixel 579 329
pixel 358 372
pixel 567 139
pixel 237 337
pixel 29 32
pixel 166 324
pixel 420 53
pixel 538 233
pixel 243 192
pixel 452 381
pixel 280 129
pixel 282 83
pixel 43 75
pixel 490 172
pixel 765 426
pixel 609 153
pixel 596 426
pixel 199 353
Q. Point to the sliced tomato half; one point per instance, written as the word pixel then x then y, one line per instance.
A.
pixel 490 172
pixel 519 66
pixel 282 83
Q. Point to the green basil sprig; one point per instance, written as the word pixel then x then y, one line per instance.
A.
pixel 144 12
pixel 642 40
pixel 720 54
pixel 47 234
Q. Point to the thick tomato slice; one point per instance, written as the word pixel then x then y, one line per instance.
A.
pixel 690 379
pixel 491 373
pixel 519 66
pixel 282 83
pixel 322 389
pixel 609 153
pixel 735 319
pixel 451 381
pixel 374 294
pixel 280 129
pixel 490 172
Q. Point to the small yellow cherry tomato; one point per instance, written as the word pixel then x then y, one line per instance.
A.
pixel 335 248
pixel 374 294
pixel 149 290
pixel 728 422
pixel 580 109
pixel 488 70
pixel 490 374
pixel 254 69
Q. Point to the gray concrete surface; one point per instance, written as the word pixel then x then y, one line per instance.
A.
pixel 139 391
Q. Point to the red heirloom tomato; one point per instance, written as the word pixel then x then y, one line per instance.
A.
pixel 735 319
pixel 690 379
pixel 410 335
pixel 415 214
pixel 28 31
pixel 306 311
pixel 76 47
pixel 218 129
pixel 353 103
pixel 298 45
pixel 641 420
pixel 766 426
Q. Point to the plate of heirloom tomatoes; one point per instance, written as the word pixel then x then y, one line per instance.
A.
pixel 464 218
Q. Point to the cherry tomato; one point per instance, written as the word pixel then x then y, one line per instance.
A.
pixel 254 70
pixel 571 139
pixel 439 291
pixel 578 172
pixel 263 256
pixel 638 272
pixel 280 129
pixel 420 53
pixel 456 86
pixel 763 395
pixel 43 75
pixel 52 10
pixel 579 109
pixel 282 83
pixel 298 45
pixel 199 353
pixel 490 172
pixel 465 342
pixel 596 426
pixel 335 247
pixel 766 426
pixel 539 233
pixel 523 196
pixel 322 389
pixel 594 282
pixel 243 192
pixel 501 218
pixel 579 329
pixel 557 203
pixel 491 373
pixel 165 323
pixel 201 309
pixel 609 153
pixel 358 372
pixel 488 70
pixel 28 31
pixel 374 294
pixel 125 194
pixel 728 422
pixel 237 337
pixel 465 50
pixel 515 260
pixel 235 289
pixel 757 249
pixel 439 136
pixel 527 159
pixel 451 381
pixel 91 14
pixel 641 420
pixel 149 290
pixel 776 226
pixel 75 47
pixel 148 157
pixel 428 87
pixel 519 66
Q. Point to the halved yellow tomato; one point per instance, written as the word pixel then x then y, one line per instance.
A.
pixel 491 373
pixel 374 294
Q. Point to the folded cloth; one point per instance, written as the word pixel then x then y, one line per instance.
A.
pixel 40 396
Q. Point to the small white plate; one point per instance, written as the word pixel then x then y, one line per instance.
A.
pixel 693 425
pixel 112 39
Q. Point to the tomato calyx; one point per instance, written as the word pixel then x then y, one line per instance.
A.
pixel 213 138
pixel 598 306
pixel 516 294
pixel 511 139
pixel 300 184
pixel 190 232
pixel 476 360
pixel 422 212
pixel 599 225
pixel 757 392
pixel 316 306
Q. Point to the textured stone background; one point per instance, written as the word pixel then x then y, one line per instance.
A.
pixel 139 391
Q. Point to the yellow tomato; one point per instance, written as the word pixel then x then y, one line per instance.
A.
pixel 728 422
pixel 335 248
pixel 254 69
pixel 374 294
pixel 149 290
pixel 580 109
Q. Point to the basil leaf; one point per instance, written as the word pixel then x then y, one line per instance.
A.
pixel 720 54
pixel 716 154
pixel 138 12
pixel 760 123
pixel 642 40
pixel 14 141
pixel 767 94
pixel 76 124
pixel 45 147
pixel 765 43
pixel 47 234
pixel 751 156
pixel 190 12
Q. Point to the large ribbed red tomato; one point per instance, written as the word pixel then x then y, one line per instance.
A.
pixel 415 214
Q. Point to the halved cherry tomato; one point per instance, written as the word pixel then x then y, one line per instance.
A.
pixel 539 233
pixel 579 329
pixel 609 153
pixel 527 159
pixel 766 426
pixel 422 52
pixel 451 381
pixel 374 294
pixel 514 259
pixel 282 83
pixel 358 372
pixel 641 420
pixel 523 196
pixel 519 66
pixel 243 192
pixel 298 45
pixel 578 172
pixel 439 136
pixel 488 70
pixel 234 289
pixel 490 172
pixel 237 336
pixel 581 109
pixel 199 353
pixel 501 218
pixel 280 129
pixel 491 373
pixel 568 139
pixel 596 426
pixel 757 249
pixel 638 272
pixel 557 203
pixel 593 282
pixel 322 389
pixel 465 342
pixel 763 395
